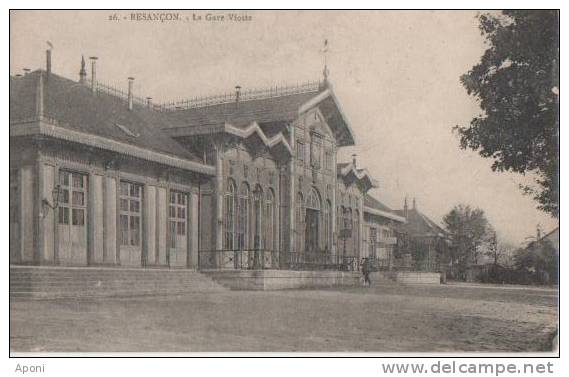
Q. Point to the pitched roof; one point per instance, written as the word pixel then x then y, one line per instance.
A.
pixel 23 96
pixel 241 114
pixel 277 110
pixel 419 224
pixel 372 202
pixel 76 108
pixel 375 207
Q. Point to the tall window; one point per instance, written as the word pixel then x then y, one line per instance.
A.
pixel 339 220
pixel 243 217
pixel 348 226
pixel 258 210
pixel 270 214
pixel 72 201
pixel 300 151
pixel 177 217
pixel 327 226
pixel 315 150
pixel 372 242
pixel 299 222
pixel 313 201
pixel 328 160
pixel 14 199
pixel 230 204
pixel 130 205
pixel 14 215
pixel 356 232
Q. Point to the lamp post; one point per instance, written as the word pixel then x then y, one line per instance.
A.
pixel 55 197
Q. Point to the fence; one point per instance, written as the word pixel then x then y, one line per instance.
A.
pixel 197 102
pixel 267 259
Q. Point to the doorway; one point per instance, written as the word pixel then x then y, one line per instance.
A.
pixel 311 235
pixel 72 216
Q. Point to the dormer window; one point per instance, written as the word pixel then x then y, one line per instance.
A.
pixel 300 151
pixel 315 150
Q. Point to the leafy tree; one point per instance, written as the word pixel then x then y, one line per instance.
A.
pixel 469 230
pixel 492 251
pixel 540 259
pixel 516 84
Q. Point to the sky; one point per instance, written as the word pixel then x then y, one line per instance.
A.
pixel 395 73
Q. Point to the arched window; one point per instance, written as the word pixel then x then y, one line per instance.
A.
pixel 243 217
pixel 258 212
pixel 299 223
pixel 270 213
pixel 312 222
pixel 356 233
pixel 348 235
pixel 327 226
pixel 229 215
pixel 313 201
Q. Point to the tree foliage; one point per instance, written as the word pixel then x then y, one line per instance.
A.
pixel 516 84
pixel 469 230
pixel 539 258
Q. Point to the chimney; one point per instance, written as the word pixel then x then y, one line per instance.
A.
pixel 237 93
pixel 354 161
pixel 93 73
pixel 538 231
pixel 405 208
pixel 414 204
pixel 130 84
pixel 149 102
pixel 82 72
pixel 48 61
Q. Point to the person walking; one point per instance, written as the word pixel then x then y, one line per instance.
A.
pixel 365 272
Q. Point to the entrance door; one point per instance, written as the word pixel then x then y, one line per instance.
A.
pixel 72 215
pixel 130 224
pixel 177 229
pixel 311 239
pixel 14 217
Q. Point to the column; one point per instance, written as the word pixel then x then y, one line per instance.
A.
pixel 150 223
pixel 46 218
pixel 219 196
pixel 292 192
pixel 96 219
pixel 194 229
pixel 161 225
pixel 110 223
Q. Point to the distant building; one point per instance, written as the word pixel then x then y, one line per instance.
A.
pixel 421 238
pixel 380 240
pixel 553 238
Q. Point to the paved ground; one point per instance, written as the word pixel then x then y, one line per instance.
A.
pixel 381 319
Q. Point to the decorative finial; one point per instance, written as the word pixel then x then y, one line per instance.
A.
pixel 82 71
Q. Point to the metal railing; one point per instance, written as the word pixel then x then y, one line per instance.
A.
pixel 318 261
pixel 251 259
pixel 244 95
pixel 204 101
pixel 260 259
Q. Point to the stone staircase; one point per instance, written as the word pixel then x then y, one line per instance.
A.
pixel 77 282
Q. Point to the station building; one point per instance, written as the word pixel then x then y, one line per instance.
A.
pixel 101 177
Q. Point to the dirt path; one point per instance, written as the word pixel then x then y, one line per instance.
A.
pixel 381 319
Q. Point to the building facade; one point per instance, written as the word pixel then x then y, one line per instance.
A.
pixel 421 243
pixel 248 180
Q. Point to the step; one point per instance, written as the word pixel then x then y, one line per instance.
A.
pixel 52 282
